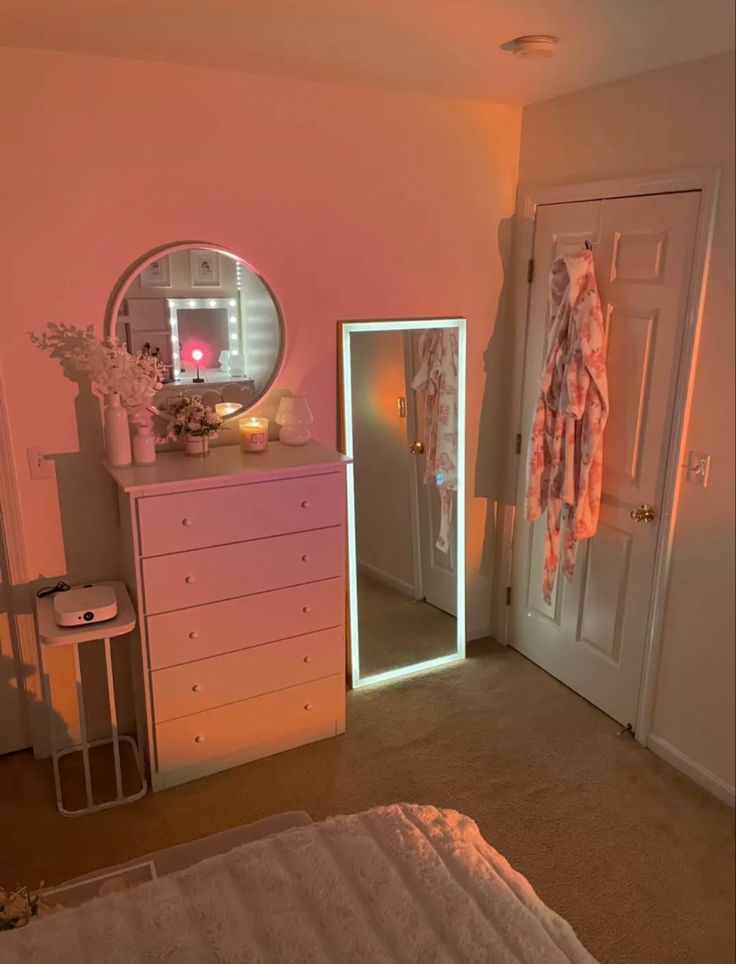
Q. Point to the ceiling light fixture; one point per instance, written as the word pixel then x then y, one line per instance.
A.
pixel 534 46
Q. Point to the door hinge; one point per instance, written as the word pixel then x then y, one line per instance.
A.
pixel 530 271
pixel 517 446
pixel 508 595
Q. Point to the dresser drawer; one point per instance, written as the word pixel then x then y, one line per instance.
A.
pixel 253 728
pixel 222 627
pixel 206 683
pixel 192 520
pixel 224 572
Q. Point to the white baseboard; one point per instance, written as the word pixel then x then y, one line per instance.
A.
pixel 699 774
pixel 478 632
pixel 386 578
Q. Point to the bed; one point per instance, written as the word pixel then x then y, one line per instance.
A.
pixel 401 883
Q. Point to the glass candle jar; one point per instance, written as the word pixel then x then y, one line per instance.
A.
pixel 253 434
pixel 226 409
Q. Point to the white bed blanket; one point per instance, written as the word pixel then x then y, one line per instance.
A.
pixel 402 883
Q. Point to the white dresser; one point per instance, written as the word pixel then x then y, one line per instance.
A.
pixel 237 566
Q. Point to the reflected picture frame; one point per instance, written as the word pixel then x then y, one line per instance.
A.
pixel 346 442
pixel 205 269
pixel 156 274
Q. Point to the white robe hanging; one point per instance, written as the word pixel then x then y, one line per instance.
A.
pixel 437 380
pixel 565 461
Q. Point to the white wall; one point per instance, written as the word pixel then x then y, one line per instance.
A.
pixel 674 119
pixel 383 522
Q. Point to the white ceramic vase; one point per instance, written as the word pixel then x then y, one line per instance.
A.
pixel 117 432
pixel 197 444
pixel 144 445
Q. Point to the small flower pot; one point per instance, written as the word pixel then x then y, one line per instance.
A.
pixel 197 445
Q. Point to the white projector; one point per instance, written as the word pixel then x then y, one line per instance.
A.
pixel 85 604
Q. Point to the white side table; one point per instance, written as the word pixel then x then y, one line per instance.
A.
pixel 50 634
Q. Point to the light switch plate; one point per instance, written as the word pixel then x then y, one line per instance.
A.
pixel 39 465
pixel 698 468
pixel 401 405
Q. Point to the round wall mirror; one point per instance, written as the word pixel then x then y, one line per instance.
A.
pixel 210 319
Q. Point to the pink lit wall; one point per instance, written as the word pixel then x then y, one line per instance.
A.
pixel 352 203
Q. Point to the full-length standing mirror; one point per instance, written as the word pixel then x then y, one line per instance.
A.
pixel 403 420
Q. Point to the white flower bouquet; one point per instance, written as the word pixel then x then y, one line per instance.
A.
pixel 111 367
pixel 188 416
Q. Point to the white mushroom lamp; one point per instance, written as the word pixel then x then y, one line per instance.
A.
pixel 294 416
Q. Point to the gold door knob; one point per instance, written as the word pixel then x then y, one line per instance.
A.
pixel 416 448
pixel 643 513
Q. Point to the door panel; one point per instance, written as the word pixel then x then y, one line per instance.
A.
pixel 592 634
pixel 629 346
pixel 603 591
pixel 437 570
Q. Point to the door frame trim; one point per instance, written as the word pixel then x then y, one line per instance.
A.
pixel 529 197
pixel 22 634
pixel 10 507
pixel 415 482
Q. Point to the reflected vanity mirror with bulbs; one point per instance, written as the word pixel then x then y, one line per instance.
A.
pixel 403 418
pixel 209 317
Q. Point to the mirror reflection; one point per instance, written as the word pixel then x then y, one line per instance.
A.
pixel 402 418
pixel 209 318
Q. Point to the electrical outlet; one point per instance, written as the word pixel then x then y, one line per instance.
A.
pixel 40 466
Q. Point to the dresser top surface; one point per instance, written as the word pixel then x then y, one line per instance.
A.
pixel 225 465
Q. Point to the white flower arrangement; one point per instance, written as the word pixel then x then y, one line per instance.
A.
pixel 189 416
pixel 110 366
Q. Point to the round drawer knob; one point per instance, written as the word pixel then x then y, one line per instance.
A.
pixel 305 504
pixel 199 739
pixel 305 557
pixel 189 579
pixel 197 688
pixel 186 522
pixel 307 659
pixel 307 706
pixel 194 634
pixel 306 609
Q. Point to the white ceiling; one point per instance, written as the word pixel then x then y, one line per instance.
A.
pixel 446 47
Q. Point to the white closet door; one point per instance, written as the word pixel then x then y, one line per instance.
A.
pixel 592 633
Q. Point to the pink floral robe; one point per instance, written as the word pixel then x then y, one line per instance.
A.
pixel 436 379
pixel 565 460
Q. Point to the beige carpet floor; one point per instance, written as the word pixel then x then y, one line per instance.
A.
pixel 396 631
pixel 637 858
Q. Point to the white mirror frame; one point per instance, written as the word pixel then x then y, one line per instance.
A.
pixel 347 328
pixel 118 295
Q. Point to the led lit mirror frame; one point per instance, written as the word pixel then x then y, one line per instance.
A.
pixel 345 330
pixel 120 290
